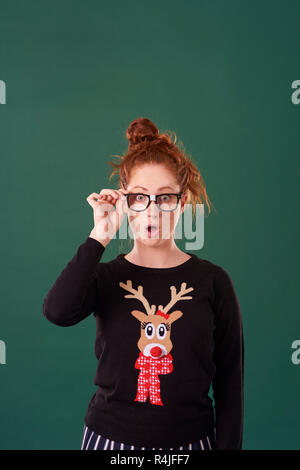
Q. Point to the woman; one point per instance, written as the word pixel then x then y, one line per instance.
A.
pixel 168 322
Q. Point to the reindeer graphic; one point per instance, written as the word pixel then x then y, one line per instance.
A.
pixel 155 343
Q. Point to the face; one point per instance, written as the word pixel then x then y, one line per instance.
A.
pixel 153 179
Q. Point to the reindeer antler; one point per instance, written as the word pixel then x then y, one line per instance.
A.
pixel 175 297
pixel 138 294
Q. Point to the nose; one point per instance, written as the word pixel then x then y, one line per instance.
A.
pixel 156 351
pixel 153 208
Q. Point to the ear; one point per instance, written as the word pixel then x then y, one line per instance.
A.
pixel 141 316
pixel 174 316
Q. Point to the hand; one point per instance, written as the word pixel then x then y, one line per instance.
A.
pixel 107 221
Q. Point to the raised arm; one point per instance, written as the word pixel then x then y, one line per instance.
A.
pixel 74 294
pixel 228 383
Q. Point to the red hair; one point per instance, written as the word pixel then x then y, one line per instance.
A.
pixel 147 145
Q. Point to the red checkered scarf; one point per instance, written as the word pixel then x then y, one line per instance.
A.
pixel 163 365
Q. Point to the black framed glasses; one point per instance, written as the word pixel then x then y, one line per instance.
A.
pixel 140 202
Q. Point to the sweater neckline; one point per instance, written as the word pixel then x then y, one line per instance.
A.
pixel 145 269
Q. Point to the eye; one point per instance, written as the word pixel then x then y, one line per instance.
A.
pixel 140 197
pixel 149 330
pixel 161 331
pixel 165 198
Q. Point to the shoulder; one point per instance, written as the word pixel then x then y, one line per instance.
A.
pixel 218 273
pixel 218 278
pixel 107 269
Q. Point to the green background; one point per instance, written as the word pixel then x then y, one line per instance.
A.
pixel 219 74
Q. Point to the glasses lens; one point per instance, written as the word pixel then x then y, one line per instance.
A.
pixel 137 202
pixel 167 202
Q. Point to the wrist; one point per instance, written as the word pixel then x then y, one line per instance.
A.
pixel 103 241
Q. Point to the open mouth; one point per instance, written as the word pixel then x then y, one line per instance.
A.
pixel 152 229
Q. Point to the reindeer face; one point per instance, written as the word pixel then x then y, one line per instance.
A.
pixel 155 338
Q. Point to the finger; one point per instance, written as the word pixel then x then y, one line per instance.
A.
pixel 97 196
pixel 103 197
pixel 111 199
pixel 122 192
pixel 91 199
pixel 113 192
pixel 92 195
pixel 114 197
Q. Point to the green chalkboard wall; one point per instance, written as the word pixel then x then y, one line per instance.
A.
pixel 76 73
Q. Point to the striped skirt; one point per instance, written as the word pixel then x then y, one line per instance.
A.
pixel 93 441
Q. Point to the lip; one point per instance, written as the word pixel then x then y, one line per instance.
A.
pixel 154 231
pixel 152 225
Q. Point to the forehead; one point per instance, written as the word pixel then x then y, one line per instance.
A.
pixel 152 178
pixel 162 188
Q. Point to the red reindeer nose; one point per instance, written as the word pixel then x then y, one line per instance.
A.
pixel 156 351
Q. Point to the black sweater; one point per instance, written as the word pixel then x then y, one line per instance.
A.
pixel 163 335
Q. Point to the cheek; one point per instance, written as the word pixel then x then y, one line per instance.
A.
pixel 132 218
pixel 169 220
pixel 137 222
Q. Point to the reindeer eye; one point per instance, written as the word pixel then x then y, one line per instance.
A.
pixel 149 330
pixel 161 331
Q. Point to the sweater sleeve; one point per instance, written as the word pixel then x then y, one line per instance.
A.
pixel 228 382
pixel 74 294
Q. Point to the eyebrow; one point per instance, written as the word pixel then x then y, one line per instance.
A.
pixel 159 189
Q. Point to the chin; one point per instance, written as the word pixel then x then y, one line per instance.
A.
pixel 154 241
pixel 150 241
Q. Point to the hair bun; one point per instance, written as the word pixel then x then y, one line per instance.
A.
pixel 141 130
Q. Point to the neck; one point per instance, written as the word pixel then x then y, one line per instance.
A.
pixel 162 255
